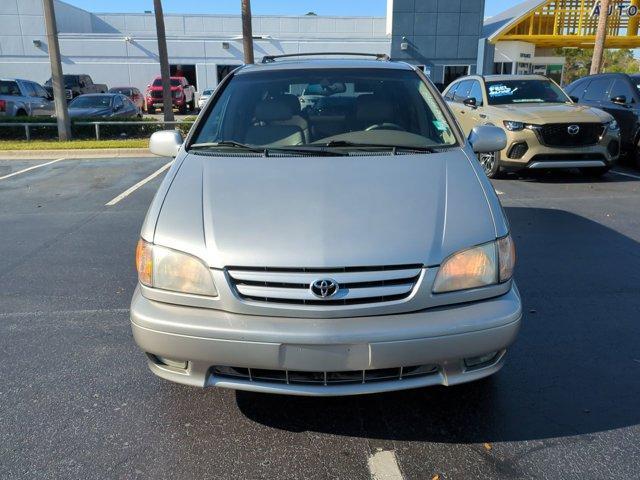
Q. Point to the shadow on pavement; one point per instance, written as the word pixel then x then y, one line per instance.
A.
pixel 575 368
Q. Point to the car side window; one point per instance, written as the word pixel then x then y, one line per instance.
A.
pixel 28 89
pixel 576 89
pixel 476 92
pixel 598 90
pixel 452 91
pixel 622 88
pixel 462 92
pixel 40 92
pixel 118 102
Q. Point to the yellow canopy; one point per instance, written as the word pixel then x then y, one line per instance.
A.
pixel 567 23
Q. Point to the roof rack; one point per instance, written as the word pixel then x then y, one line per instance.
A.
pixel 378 56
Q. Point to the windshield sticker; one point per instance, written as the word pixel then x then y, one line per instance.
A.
pixel 440 126
pixel 501 91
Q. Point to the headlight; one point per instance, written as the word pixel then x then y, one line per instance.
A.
pixel 167 269
pixel 613 126
pixel 480 266
pixel 513 126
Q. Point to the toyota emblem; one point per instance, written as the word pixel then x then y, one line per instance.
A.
pixel 573 129
pixel 325 288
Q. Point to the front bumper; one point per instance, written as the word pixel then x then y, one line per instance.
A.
pixel 538 156
pixel 440 337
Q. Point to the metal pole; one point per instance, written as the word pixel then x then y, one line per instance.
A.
pixel 97 131
pixel 57 79
pixel 247 35
pixel 601 37
pixel 27 132
pixel 165 71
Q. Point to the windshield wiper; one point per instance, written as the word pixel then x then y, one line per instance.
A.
pixel 395 148
pixel 266 150
pixel 227 144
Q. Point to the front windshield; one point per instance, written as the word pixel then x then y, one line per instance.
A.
pixel 123 91
pixel 369 107
pixel 524 91
pixel 174 82
pixel 91 101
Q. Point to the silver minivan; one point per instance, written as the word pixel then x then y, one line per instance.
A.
pixel 348 249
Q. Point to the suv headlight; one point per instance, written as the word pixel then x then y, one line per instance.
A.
pixel 167 269
pixel 613 126
pixel 481 266
pixel 513 126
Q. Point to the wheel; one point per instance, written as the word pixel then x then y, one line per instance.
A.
pixel 192 107
pixel 595 172
pixel 183 108
pixel 21 113
pixel 490 163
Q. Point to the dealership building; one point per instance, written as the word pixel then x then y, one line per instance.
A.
pixel 446 38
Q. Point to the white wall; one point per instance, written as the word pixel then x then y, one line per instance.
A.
pixel 95 44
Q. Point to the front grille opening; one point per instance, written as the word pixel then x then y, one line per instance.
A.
pixel 295 377
pixel 357 285
pixel 344 301
pixel 557 134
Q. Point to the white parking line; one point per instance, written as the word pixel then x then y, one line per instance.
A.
pixel 383 465
pixel 625 174
pixel 133 188
pixel 30 168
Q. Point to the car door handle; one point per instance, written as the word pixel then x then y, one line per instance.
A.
pixel 482 115
pixel 462 112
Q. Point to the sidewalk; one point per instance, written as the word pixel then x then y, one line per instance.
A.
pixel 75 153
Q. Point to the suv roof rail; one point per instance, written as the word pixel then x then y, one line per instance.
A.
pixel 378 56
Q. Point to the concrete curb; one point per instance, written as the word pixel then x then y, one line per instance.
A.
pixel 75 153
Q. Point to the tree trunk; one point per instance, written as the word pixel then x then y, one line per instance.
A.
pixel 57 78
pixel 167 104
pixel 601 36
pixel 247 35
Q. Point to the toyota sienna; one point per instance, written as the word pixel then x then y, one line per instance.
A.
pixel 344 246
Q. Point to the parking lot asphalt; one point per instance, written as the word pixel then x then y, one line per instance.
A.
pixel 77 399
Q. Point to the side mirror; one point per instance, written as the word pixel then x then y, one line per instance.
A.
pixel 117 108
pixel 619 100
pixel 487 139
pixel 470 102
pixel 166 143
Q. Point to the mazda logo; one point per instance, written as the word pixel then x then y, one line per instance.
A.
pixel 573 129
pixel 325 288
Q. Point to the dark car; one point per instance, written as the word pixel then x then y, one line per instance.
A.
pixel 619 95
pixel 132 93
pixel 103 105
pixel 76 85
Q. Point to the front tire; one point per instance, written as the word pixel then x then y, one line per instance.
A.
pixel 490 163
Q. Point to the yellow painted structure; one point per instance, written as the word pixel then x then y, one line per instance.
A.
pixel 573 23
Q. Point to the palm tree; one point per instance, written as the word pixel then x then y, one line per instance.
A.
pixel 165 72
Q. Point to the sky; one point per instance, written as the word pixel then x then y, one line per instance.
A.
pixel 375 8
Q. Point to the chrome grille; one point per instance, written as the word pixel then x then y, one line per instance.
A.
pixel 323 378
pixel 357 285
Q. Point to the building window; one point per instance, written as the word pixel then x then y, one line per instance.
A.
pixel 503 68
pixel 453 72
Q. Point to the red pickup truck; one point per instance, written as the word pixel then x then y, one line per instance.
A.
pixel 183 95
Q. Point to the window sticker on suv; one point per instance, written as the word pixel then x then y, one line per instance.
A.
pixel 500 90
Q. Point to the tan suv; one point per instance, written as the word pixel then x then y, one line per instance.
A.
pixel 544 128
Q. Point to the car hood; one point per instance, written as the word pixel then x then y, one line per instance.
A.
pixel 326 211
pixel 89 112
pixel 540 114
